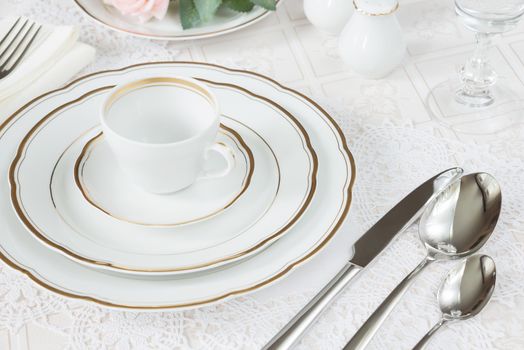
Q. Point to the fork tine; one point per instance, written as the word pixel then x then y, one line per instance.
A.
pixel 4 65
pixel 10 30
pixel 22 54
pixel 13 41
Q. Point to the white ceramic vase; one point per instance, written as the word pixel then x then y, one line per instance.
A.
pixel 372 42
pixel 329 16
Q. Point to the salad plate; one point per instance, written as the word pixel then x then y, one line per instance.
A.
pixel 169 28
pixel 325 214
pixel 200 236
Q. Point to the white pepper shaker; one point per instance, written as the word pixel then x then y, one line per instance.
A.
pixel 328 15
pixel 372 42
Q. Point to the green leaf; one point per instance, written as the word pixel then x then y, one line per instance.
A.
pixel 189 16
pixel 207 8
pixel 239 5
pixel 267 4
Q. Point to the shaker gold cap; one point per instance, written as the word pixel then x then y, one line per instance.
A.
pixel 376 8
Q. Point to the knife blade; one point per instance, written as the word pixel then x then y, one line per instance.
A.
pixel 366 249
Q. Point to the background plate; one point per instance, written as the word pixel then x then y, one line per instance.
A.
pixel 169 28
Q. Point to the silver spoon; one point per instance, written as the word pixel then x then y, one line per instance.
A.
pixel 456 224
pixel 464 293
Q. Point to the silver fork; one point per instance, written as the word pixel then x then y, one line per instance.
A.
pixel 19 38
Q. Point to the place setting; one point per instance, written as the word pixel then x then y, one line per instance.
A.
pixel 258 185
pixel 165 187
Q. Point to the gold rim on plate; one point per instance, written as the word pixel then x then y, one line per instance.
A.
pixel 39 233
pixel 337 223
pixel 227 131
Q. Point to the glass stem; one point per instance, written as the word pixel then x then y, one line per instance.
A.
pixel 477 75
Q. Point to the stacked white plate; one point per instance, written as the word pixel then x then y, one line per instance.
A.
pixel 73 223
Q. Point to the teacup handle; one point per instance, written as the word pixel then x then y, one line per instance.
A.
pixel 228 155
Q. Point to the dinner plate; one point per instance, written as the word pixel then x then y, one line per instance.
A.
pixel 169 28
pixel 326 213
pixel 54 209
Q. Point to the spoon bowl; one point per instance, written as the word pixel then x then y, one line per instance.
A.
pixel 467 288
pixel 461 218
pixel 464 293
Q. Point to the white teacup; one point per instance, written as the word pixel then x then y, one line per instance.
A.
pixel 161 130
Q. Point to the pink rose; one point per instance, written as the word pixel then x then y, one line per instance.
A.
pixel 144 10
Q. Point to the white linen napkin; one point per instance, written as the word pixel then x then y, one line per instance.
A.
pixel 53 59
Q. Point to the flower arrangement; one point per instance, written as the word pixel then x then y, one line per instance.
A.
pixel 192 12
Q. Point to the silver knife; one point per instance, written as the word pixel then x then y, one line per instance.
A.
pixel 367 247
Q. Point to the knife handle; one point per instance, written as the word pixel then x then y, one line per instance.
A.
pixel 295 328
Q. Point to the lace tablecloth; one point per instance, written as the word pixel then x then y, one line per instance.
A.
pixel 397 144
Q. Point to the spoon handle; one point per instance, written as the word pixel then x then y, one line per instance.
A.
pixel 422 342
pixel 364 335
pixel 290 334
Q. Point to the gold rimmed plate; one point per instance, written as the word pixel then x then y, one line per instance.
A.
pixel 317 226
pixel 106 187
pixel 146 236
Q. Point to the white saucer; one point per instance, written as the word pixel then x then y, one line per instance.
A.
pixel 106 187
pixel 169 28
pixel 56 211
pixel 336 175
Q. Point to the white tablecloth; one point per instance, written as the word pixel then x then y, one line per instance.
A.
pixel 397 144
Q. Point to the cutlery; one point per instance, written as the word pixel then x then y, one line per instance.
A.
pixel 366 249
pixel 464 293
pixel 456 224
pixel 17 45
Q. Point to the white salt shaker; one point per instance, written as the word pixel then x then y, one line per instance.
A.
pixel 372 42
pixel 328 15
